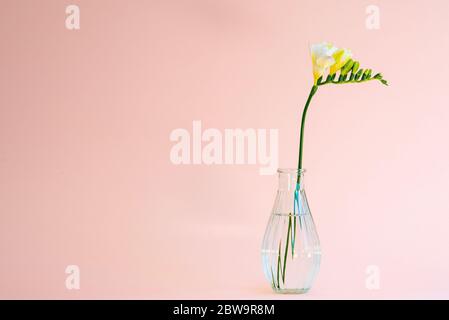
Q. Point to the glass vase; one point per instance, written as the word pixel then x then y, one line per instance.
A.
pixel 291 252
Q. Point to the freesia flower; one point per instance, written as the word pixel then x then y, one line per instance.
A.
pixel 342 70
pixel 322 58
pixel 341 56
pixel 327 57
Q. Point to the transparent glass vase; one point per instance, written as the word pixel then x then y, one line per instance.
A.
pixel 291 252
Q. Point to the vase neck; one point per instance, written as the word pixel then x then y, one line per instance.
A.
pixel 291 179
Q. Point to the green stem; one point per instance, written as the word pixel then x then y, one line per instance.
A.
pixel 279 263
pixel 303 120
pixel 281 268
pixel 286 247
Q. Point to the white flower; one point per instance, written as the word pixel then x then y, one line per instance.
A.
pixel 322 58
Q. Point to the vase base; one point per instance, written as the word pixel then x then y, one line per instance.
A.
pixel 290 291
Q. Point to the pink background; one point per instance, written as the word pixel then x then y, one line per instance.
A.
pixel 85 174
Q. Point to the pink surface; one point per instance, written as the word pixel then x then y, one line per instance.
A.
pixel 85 173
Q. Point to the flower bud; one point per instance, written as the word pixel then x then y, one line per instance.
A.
pixel 347 67
pixel 366 74
pixel 355 67
pixel 378 76
pixel 341 57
